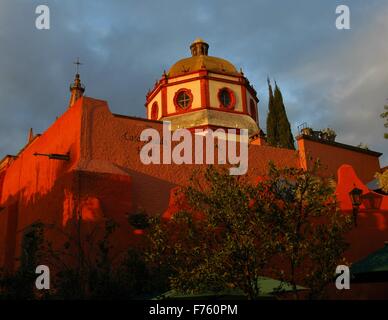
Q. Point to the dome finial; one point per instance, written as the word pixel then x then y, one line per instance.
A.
pixel 199 47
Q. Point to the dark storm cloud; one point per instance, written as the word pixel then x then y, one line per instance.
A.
pixel 328 77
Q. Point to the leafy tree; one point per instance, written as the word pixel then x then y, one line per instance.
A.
pixel 230 231
pixel 83 265
pixel 308 227
pixel 21 284
pixel 217 243
pixel 138 220
pixel 383 180
pixel 384 115
pixel 383 177
pixel 87 267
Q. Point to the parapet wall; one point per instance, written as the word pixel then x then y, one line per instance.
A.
pixel 333 154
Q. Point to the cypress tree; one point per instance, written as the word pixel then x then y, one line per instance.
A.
pixel 272 119
pixel 285 137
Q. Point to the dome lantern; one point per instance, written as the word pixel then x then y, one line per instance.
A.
pixel 199 48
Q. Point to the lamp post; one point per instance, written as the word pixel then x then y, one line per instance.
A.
pixel 55 156
pixel 355 197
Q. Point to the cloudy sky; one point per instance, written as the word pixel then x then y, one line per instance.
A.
pixel 329 78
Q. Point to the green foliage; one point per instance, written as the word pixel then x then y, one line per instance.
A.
pixel 278 127
pixel 129 279
pixel 84 256
pixel 306 226
pixel 85 267
pixel 286 139
pixel 383 180
pixel 228 234
pixel 21 284
pixel 101 274
pixel 139 220
pixel 328 134
pixel 384 115
pixel 233 232
pixel 272 119
pixel 204 254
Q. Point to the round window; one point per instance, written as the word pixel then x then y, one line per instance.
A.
pixel 226 98
pixel 183 99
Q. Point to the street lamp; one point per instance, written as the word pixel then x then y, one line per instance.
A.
pixel 55 156
pixel 355 197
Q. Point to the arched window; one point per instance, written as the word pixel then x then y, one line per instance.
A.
pixel 154 111
pixel 183 99
pixel 252 110
pixel 226 98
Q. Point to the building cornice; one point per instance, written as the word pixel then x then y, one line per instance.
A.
pixel 339 145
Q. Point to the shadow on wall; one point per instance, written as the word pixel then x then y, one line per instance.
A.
pixel 372 219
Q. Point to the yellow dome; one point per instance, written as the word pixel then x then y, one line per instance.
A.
pixel 201 61
pixel 197 63
pixel 198 40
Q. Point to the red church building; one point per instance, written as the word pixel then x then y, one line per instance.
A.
pixel 87 162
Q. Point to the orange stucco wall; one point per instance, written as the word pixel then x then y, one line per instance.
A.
pixel 114 141
pixel 333 156
pixel 34 187
pixel 372 223
pixel 369 235
pixel 105 177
